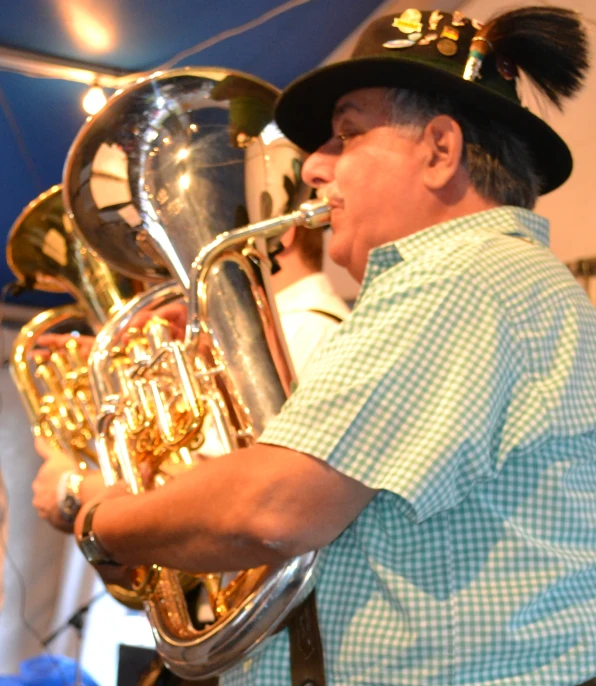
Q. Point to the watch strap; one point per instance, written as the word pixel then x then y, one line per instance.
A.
pixel 90 544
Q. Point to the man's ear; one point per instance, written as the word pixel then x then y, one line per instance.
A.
pixel 288 237
pixel 445 142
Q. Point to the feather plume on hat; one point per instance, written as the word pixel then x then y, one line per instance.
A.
pixel 549 44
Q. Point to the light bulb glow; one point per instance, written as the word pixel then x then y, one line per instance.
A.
pixel 94 100
pixel 89 25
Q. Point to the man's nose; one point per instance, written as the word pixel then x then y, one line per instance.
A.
pixel 318 169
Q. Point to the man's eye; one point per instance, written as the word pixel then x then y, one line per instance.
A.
pixel 344 136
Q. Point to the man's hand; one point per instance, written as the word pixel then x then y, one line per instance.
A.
pixel 47 343
pixel 45 485
pixel 174 313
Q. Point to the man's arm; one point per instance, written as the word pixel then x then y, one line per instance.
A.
pixel 261 505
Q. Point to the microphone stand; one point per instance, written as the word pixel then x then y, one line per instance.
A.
pixel 77 621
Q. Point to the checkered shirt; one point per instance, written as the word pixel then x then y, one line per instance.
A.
pixel 463 386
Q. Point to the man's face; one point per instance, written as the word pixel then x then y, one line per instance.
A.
pixel 371 173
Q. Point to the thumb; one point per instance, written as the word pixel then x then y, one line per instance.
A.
pixel 147 473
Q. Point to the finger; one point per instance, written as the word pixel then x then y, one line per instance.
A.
pixel 85 344
pixel 41 355
pixel 178 332
pixel 39 505
pixel 52 340
pixel 139 320
pixel 147 473
pixel 42 447
pixel 120 575
pixel 46 344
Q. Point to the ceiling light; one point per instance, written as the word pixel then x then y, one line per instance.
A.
pixel 94 100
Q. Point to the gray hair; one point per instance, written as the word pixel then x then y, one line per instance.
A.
pixel 499 163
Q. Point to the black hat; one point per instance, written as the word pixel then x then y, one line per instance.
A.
pixel 448 53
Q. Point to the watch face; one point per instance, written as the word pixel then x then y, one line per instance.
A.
pixel 91 546
pixel 70 507
pixel 69 503
pixel 90 551
pixel 93 552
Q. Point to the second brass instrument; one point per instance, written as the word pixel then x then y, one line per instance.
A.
pixel 45 253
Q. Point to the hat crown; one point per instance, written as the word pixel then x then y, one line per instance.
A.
pixel 443 39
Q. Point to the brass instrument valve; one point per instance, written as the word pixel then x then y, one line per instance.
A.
pixel 137 347
pixel 61 363
pixel 119 365
pixel 157 331
pixel 73 353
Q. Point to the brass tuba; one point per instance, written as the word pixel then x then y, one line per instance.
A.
pixel 192 154
pixel 45 253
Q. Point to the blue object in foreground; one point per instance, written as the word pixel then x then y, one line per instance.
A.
pixel 47 670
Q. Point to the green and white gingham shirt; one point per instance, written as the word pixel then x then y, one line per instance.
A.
pixel 464 386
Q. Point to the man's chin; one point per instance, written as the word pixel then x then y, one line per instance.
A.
pixel 339 258
pixel 343 258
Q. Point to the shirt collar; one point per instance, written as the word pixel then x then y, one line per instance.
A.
pixel 506 220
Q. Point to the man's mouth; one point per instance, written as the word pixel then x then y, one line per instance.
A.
pixel 332 199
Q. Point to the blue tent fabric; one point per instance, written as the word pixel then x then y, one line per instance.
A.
pixel 47 670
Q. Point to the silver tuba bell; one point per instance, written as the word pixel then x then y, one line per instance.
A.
pixel 159 182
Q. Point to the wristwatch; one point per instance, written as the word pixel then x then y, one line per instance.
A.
pixel 90 545
pixel 67 495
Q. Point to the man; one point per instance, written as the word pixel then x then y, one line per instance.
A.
pixel 439 450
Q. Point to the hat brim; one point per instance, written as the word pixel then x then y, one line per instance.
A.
pixel 305 108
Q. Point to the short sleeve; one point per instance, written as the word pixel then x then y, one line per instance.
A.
pixel 412 393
